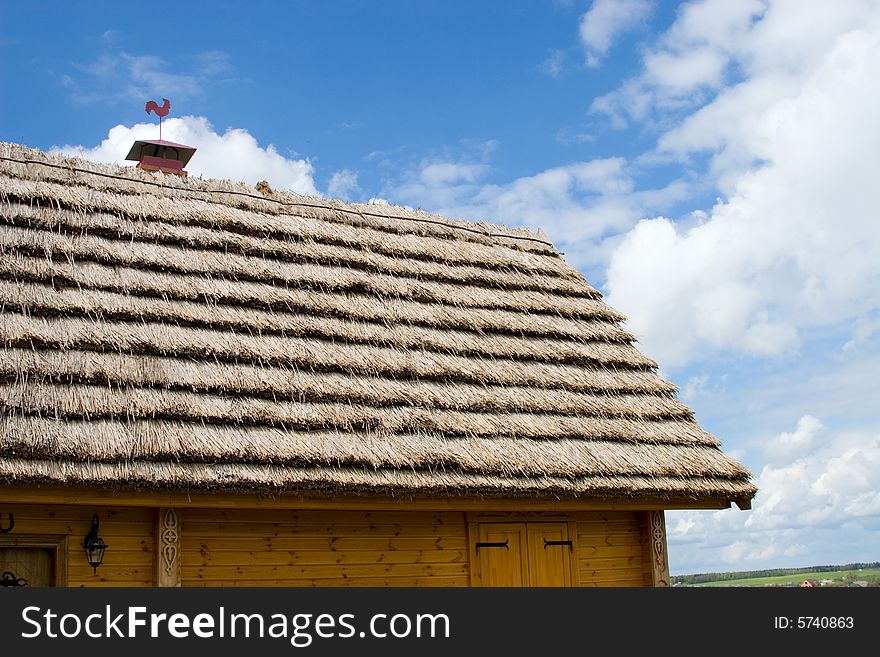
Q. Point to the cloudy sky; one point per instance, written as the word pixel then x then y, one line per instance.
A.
pixel 713 167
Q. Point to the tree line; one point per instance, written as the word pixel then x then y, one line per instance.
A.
pixel 701 578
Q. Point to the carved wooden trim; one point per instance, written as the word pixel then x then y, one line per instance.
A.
pixel 657 541
pixel 167 561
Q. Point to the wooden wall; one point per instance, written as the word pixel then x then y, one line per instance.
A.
pixel 128 531
pixel 323 548
pixel 613 548
pixel 283 547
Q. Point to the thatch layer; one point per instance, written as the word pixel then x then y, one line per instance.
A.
pixel 311 354
pixel 120 403
pixel 160 331
pixel 386 482
pixel 232 379
pixel 49 300
pixel 358 307
pixel 191 262
pixel 166 440
pixel 376 257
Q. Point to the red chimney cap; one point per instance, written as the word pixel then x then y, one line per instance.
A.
pixel 160 148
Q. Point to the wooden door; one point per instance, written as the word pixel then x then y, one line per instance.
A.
pixel 549 554
pixel 27 566
pixel 502 551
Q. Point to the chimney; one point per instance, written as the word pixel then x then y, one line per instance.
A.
pixel 159 155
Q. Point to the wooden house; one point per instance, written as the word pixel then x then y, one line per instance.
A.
pixel 239 386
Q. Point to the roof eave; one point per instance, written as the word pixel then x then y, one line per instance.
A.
pixel 193 498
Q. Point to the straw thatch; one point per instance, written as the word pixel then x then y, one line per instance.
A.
pixel 172 332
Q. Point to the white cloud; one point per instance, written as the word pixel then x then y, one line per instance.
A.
pixel 233 155
pixel 570 202
pixel 694 386
pixel 605 21
pixel 796 245
pixel 574 135
pixel 693 55
pixel 120 76
pixel 437 174
pixel 581 206
pixel 147 77
pixel 343 185
pixel 552 66
pixel 680 74
pixel 818 495
pixel 789 446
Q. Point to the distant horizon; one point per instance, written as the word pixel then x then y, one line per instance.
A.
pixel 709 166
pixel 839 566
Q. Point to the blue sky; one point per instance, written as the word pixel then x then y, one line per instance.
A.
pixel 711 166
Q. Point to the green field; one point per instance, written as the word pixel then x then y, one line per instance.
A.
pixel 839 577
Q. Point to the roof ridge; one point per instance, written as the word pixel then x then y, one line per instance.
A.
pixel 18 153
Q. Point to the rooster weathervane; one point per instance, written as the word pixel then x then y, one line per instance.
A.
pixel 161 111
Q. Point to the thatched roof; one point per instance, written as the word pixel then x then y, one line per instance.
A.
pixel 160 331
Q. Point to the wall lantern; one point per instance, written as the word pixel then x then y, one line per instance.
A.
pixel 94 545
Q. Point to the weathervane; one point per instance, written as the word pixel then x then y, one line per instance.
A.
pixel 153 106
pixel 161 155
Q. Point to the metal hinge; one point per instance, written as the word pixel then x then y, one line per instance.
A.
pixel 498 545
pixel 9 579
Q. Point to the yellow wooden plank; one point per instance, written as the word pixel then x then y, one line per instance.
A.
pixel 456 581
pixel 121 543
pixel 323 544
pixel 608 527
pixel 591 574
pixel 323 517
pixel 605 516
pixel 313 572
pixel 60 512
pixel 208 529
pixel 591 551
pixel 112 584
pixel 294 557
pixel 627 583
pixel 611 563
pixel 610 539
pixel 108 571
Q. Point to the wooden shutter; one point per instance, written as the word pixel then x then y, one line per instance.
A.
pixel 502 550
pixel 524 554
pixel 549 554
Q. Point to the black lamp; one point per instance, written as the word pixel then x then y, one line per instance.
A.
pixel 94 545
